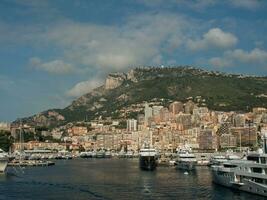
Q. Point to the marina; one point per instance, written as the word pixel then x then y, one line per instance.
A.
pixel 99 178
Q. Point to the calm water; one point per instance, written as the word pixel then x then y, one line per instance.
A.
pixel 112 179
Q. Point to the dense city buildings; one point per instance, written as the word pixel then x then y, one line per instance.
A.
pixel 167 128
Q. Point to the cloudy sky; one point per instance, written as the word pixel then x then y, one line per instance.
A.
pixel 53 51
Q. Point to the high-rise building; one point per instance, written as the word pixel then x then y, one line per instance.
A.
pixel 184 120
pixel 224 128
pixel 148 113
pixel 227 141
pixel 208 140
pixel 246 135
pixel 131 125
pixel 140 121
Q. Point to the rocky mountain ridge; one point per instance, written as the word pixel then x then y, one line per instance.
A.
pixel 220 90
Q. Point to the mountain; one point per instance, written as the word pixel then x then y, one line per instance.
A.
pixel 219 91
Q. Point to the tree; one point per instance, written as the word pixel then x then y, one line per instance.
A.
pixel 6 140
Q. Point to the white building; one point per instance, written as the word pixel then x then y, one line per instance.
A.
pixel 131 125
pixel 148 113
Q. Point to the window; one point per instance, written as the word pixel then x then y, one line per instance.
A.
pixel 263 160
pixel 257 170
pixel 258 180
pixel 253 158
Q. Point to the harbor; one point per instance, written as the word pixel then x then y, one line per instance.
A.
pixel 175 173
pixel 99 178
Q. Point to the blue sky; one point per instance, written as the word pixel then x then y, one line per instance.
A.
pixel 52 52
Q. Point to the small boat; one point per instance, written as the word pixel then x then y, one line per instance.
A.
pixel 122 154
pixel 100 154
pixel 63 155
pixel 108 154
pixel 86 154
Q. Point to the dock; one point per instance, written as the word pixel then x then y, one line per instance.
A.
pixel 31 163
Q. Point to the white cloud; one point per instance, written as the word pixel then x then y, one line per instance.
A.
pixel 237 56
pixel 196 5
pixel 247 4
pixel 84 87
pixel 200 5
pixel 256 55
pixel 138 41
pixel 53 67
pixel 214 38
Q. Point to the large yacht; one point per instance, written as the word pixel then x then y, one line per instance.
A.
pixel 217 160
pixel 3 161
pixel 148 158
pixel 186 160
pixel 248 174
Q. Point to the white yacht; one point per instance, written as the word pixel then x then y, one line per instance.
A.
pixel 217 160
pixel 186 160
pixel 108 154
pixel 248 174
pixel 3 161
pixel 86 154
pixel 148 158
pixel 203 161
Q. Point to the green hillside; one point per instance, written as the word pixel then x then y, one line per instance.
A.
pixel 221 91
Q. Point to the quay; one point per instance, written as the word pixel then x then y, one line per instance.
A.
pixel 31 163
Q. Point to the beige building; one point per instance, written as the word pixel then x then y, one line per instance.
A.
pixel 208 140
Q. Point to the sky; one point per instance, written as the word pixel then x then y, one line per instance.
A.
pixel 53 51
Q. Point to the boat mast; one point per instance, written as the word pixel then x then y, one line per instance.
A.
pixel 240 140
pixel 20 140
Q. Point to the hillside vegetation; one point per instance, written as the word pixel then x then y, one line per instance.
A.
pixel 221 91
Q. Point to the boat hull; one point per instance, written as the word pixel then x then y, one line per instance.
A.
pixel 148 162
pixel 190 166
pixel 246 185
pixel 3 164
